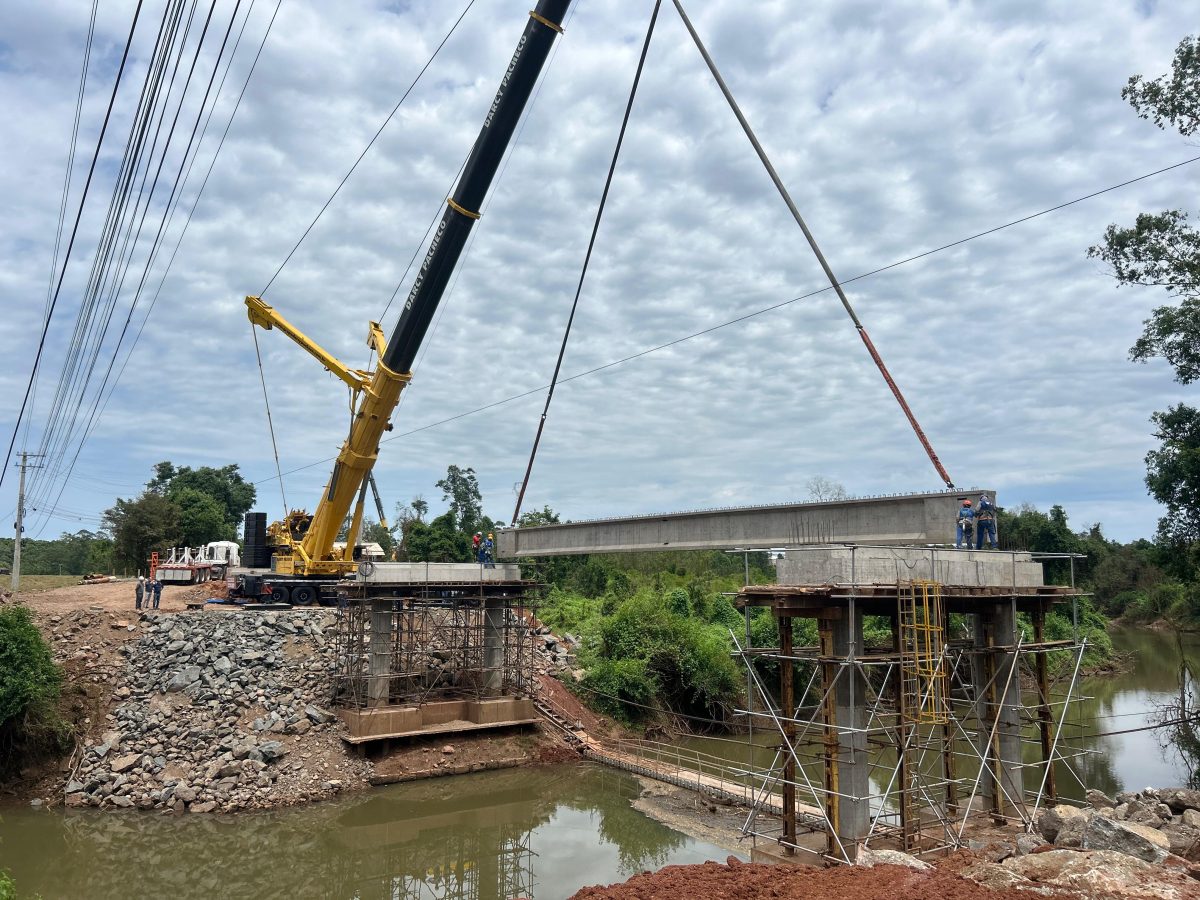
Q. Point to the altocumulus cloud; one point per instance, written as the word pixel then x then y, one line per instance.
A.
pixel 898 127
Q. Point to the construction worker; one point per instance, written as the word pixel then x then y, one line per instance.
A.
pixel 965 525
pixel 488 546
pixel 985 523
pixel 157 592
pixel 139 592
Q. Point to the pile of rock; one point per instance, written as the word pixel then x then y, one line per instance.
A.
pixel 1147 824
pixel 1135 845
pixel 220 711
pixel 551 652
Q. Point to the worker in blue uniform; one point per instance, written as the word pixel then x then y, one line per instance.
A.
pixel 985 523
pixel 965 525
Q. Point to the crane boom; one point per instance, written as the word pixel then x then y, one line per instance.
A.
pixel 377 393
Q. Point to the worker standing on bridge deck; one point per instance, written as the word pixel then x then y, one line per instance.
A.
pixel 489 561
pixel 965 525
pixel 139 592
pixel 985 523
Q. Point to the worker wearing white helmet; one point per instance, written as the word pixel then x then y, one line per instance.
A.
pixel 964 526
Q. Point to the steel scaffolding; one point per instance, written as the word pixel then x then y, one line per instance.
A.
pixel 906 746
pixel 443 645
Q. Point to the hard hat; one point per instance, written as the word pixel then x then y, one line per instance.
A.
pixel 966 503
pixel 489 534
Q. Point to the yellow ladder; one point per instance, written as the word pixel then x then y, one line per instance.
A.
pixel 922 646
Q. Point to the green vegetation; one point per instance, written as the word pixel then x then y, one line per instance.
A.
pixel 72 554
pixel 180 507
pixel 1162 250
pixel 30 686
pixel 654 629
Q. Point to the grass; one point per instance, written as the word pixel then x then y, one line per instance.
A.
pixel 43 582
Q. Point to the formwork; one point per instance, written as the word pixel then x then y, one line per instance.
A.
pixel 450 652
pixel 956 720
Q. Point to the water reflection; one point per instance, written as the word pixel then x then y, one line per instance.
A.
pixel 518 833
pixel 1126 703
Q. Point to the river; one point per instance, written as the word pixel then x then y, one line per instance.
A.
pixel 517 833
pixel 543 832
pixel 1126 703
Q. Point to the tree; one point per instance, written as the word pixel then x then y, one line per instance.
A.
pixel 1163 250
pixel 1173 474
pixel 461 488
pixel 438 541
pixel 822 489
pixel 374 532
pixel 201 517
pixel 233 493
pixel 420 508
pixel 141 526
pixel 1173 99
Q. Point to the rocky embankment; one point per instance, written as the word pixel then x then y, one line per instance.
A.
pixel 1143 844
pixel 219 711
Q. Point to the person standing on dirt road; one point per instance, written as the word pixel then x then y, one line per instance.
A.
pixel 139 592
pixel 157 592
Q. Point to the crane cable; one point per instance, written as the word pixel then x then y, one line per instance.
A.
pixel 587 258
pixel 812 242
pixel 762 311
pixel 257 352
pixel 270 422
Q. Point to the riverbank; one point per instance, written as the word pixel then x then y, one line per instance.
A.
pixel 217 710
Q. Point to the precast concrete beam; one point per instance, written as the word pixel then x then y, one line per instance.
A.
pixel 905 519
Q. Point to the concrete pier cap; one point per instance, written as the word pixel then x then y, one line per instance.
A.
pixel 901 519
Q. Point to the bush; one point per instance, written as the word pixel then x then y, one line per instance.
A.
pixel 30 685
pixel 617 682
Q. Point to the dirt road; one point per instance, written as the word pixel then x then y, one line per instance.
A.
pixel 113 596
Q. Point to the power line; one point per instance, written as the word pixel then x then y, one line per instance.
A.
pixel 587 257
pixel 370 144
pixel 195 202
pixel 763 311
pixel 71 243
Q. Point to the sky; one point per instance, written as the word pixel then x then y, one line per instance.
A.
pixel 898 128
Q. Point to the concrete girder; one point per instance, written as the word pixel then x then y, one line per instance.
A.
pixel 906 519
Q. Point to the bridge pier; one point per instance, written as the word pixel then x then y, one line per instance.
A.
pixel 997 707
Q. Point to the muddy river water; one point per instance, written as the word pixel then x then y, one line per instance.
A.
pixel 518 833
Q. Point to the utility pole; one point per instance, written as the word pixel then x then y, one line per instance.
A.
pixel 19 525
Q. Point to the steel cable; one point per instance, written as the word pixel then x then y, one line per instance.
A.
pixel 587 257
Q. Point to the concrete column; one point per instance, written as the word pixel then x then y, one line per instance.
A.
pixel 997 706
pixel 380 650
pixel 850 776
pixel 493 646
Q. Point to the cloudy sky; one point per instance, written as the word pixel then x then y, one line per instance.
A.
pixel 898 127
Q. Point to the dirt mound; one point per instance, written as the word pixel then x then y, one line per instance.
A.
pixel 736 880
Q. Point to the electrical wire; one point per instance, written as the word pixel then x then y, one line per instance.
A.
pixel 759 312
pixel 66 191
pixel 98 413
pixel 370 144
pixel 132 237
pixel 71 243
pixel 587 257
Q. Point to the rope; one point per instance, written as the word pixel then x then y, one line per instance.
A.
pixel 270 423
pixel 612 167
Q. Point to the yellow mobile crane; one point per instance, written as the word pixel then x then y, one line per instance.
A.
pixel 303 561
